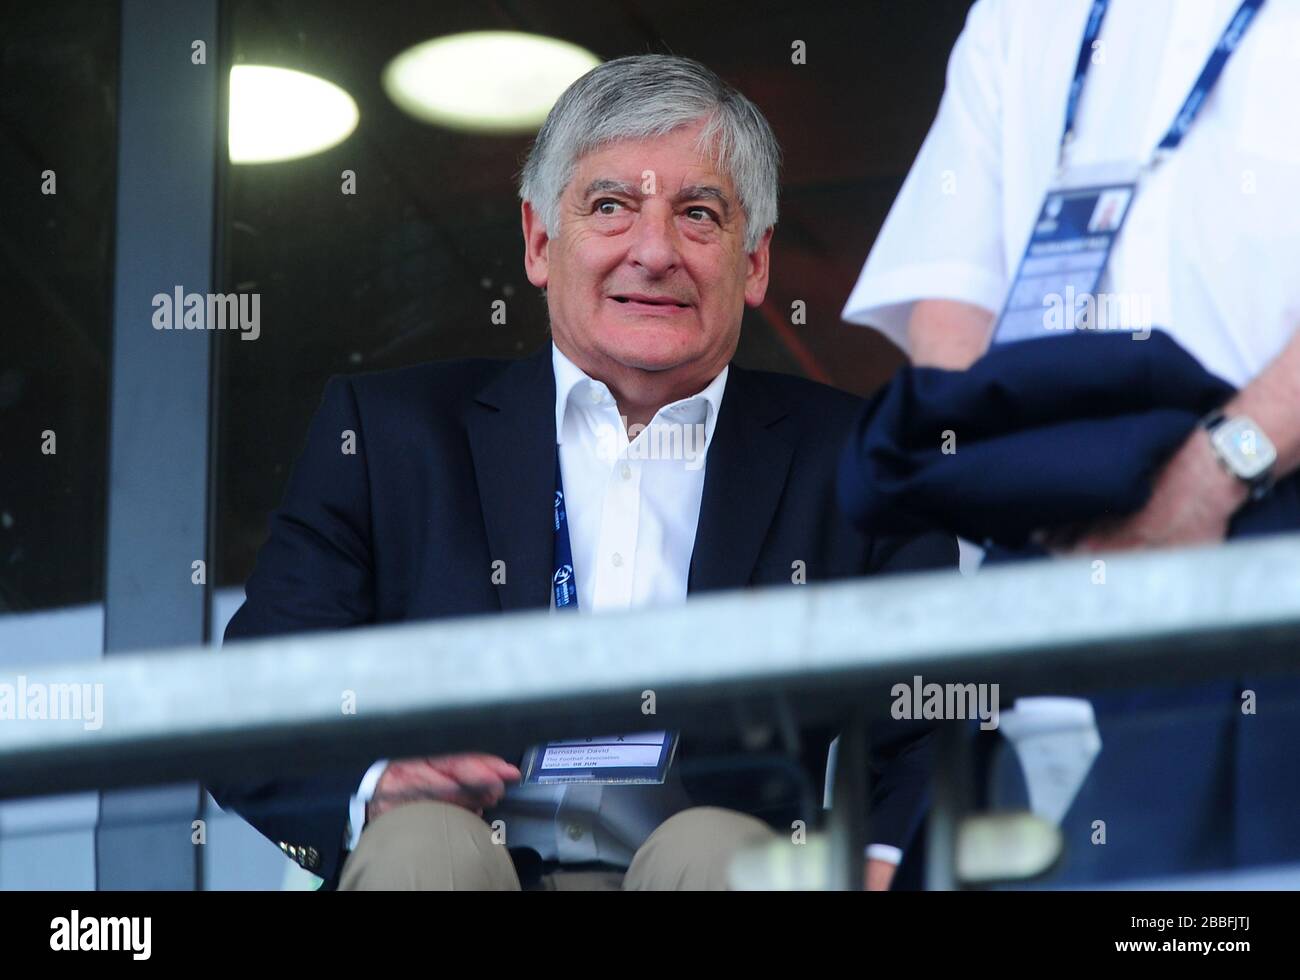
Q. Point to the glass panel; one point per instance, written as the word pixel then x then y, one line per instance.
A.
pixel 58 145
pixel 58 158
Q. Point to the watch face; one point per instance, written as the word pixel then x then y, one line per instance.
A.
pixel 1246 450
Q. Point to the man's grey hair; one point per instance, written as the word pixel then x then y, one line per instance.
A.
pixel 646 96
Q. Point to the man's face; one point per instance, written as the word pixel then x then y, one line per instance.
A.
pixel 648 271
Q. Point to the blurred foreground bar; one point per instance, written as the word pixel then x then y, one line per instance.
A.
pixel 495 683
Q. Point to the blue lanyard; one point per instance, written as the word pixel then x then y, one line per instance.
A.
pixel 1081 65
pixel 1205 81
pixel 563 582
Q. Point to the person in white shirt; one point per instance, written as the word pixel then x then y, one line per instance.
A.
pixel 1212 238
pixel 1210 245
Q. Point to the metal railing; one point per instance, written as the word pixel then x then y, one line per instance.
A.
pixel 815 653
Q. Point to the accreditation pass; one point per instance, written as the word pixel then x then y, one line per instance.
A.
pixel 1069 247
pixel 643 757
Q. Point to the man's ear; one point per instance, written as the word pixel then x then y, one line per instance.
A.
pixel 536 263
pixel 759 265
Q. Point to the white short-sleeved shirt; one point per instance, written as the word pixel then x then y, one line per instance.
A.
pixel 1213 237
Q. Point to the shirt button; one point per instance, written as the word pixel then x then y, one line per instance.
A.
pixel 625 472
pixel 617 560
pixel 574 831
pixel 596 395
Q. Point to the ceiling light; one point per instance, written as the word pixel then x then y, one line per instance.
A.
pixel 281 114
pixel 485 81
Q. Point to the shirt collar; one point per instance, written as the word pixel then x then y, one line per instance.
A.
pixel 571 379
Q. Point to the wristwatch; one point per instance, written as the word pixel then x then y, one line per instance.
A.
pixel 1243 450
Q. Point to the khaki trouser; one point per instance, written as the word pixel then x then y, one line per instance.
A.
pixel 431 846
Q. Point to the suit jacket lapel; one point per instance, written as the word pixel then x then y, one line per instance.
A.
pixel 746 470
pixel 512 439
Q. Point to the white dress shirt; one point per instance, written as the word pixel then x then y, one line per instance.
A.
pixel 632 514
pixel 633 506
pixel 1213 236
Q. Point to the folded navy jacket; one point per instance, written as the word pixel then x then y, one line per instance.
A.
pixel 1041 434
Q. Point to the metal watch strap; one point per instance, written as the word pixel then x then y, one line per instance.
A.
pixel 1259 485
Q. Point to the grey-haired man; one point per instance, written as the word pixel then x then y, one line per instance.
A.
pixel 648 204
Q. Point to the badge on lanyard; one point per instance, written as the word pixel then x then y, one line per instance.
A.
pixel 643 757
pixel 640 758
pixel 1055 286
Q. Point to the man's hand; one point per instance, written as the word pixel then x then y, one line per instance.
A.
pixel 1191 503
pixel 474 780
pixel 877 875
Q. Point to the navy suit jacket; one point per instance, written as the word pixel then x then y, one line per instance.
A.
pixel 454 468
